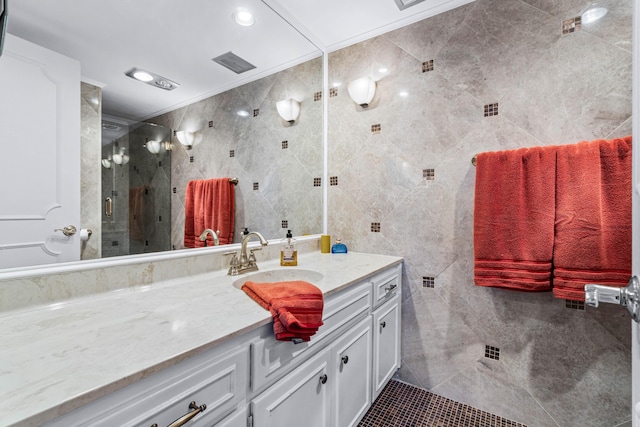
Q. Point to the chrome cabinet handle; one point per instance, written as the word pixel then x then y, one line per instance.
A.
pixel 382 326
pixel 323 379
pixel 69 230
pixel 187 417
pixel 390 288
pixel 108 207
pixel 345 360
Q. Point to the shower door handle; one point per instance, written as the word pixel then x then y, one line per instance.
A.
pixel 108 207
pixel 629 296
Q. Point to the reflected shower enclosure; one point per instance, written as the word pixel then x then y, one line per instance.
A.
pixel 136 188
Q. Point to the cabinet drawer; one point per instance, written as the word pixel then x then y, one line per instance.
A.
pixel 386 284
pixel 217 380
pixel 270 358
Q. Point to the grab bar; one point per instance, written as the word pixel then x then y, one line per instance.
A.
pixel 108 207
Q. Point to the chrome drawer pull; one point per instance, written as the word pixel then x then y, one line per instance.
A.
pixel 390 288
pixel 345 360
pixel 187 417
pixel 324 378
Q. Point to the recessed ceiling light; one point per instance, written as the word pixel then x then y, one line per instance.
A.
pixel 594 13
pixel 337 84
pixel 243 113
pixel 243 17
pixel 404 94
pixel 383 70
pixel 152 79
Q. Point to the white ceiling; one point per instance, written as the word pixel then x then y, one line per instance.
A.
pixel 178 39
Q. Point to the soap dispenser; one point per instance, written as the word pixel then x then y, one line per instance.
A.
pixel 289 253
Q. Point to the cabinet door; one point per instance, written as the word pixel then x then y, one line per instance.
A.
pixel 386 343
pixel 352 373
pixel 302 398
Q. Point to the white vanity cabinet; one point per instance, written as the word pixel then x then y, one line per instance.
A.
pixel 216 378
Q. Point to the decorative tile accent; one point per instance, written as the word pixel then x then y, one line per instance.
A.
pixel 232 153
pixel 333 92
pixel 210 123
pixel 256 186
pixel 492 352
pixel 333 180
pixel 571 25
pixel 115 243
pixel 114 193
pixel 146 243
pixel 375 227
pixel 191 159
pixel 159 218
pixel 285 223
pixel 174 133
pixel 285 145
pixel 428 282
pixel 427 66
pixel 377 128
pixel 175 190
pixel 491 110
pixel 575 305
pixel 429 174
pixel 317 96
pixel 256 112
pixel 159 164
pixel 317 182
pixel 404 405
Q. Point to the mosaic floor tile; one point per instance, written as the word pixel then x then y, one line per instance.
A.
pixel 403 405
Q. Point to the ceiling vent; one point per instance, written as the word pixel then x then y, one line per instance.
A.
pixel 403 4
pixel 233 62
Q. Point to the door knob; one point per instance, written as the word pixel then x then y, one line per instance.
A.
pixel 69 230
pixel 629 296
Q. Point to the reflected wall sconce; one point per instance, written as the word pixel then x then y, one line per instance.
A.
pixel 362 91
pixel 155 147
pixel 289 109
pixel 189 138
pixel 106 163
pixel 120 158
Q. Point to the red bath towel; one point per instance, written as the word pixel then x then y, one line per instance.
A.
pixel 593 218
pixel 514 218
pixel 296 307
pixel 209 204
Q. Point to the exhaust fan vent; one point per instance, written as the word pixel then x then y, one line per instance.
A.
pixel 233 62
pixel 403 4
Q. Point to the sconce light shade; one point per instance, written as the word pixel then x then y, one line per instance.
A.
pixel 120 159
pixel 155 147
pixel 362 91
pixel 289 109
pixel 106 163
pixel 189 138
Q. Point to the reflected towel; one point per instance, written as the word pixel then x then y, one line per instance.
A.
pixel 296 307
pixel 137 212
pixel 209 204
pixel 514 218
pixel 593 216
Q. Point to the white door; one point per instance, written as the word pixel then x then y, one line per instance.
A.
pixel 40 157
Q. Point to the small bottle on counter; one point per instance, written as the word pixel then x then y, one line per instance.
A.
pixel 289 253
pixel 339 247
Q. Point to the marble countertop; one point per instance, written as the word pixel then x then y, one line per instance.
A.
pixel 58 357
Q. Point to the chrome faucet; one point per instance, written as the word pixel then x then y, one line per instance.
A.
pixel 246 262
pixel 203 237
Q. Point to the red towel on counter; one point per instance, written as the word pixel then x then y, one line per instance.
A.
pixel 296 307
pixel 593 216
pixel 209 204
pixel 514 218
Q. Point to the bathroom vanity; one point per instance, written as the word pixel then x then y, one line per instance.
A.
pixel 200 346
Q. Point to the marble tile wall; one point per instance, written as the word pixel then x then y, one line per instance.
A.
pixel 277 164
pixel 90 175
pixel 490 75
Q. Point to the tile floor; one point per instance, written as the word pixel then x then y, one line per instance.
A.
pixel 403 405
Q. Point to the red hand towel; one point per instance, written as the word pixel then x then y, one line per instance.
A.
pixel 209 204
pixel 296 307
pixel 593 219
pixel 513 218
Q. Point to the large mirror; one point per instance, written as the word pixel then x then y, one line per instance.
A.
pixel 277 162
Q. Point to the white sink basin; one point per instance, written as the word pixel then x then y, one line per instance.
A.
pixel 283 274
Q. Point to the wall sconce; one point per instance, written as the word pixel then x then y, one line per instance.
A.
pixel 289 109
pixel 106 163
pixel 120 158
pixel 362 91
pixel 155 147
pixel 189 138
